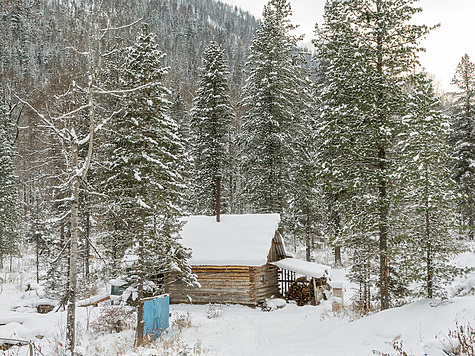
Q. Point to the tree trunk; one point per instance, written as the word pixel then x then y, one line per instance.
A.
pixel 382 184
pixel 335 223
pixel 337 233
pixel 308 237
pixel 383 236
pixel 87 242
pixel 73 256
pixel 338 256
pixel 141 275
pixel 1 248
pixel 430 274
pixel 37 240
pixel 368 287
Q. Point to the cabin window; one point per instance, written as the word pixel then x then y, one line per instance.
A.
pixel 262 279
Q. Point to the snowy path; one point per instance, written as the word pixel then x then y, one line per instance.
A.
pixel 300 330
pixel 246 331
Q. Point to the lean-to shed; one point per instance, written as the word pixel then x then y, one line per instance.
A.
pixel 231 259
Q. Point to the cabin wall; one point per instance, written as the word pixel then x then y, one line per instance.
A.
pixel 219 284
pixel 264 282
pixel 227 284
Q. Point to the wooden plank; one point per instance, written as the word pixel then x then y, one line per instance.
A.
pixel 214 298
pixel 221 289
pixel 221 269
pixel 225 287
pixel 216 291
pixel 211 279
pixel 222 276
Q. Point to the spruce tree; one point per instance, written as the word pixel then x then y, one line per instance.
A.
pixel 427 209
pixel 304 210
pixel 9 208
pixel 212 116
pixel 272 98
pixel 180 114
pixel 464 141
pixel 145 183
pixel 370 47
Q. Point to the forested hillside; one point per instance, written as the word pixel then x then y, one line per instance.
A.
pixel 38 35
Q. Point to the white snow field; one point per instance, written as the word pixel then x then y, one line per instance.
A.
pixel 422 326
pixel 312 330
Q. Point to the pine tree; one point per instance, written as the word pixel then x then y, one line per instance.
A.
pixel 428 205
pixel 9 213
pixel 212 116
pixel 370 47
pixel 464 141
pixel 273 101
pixel 145 180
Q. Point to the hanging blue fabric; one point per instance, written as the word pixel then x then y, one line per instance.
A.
pixel 155 316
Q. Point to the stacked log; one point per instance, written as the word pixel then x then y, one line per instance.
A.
pixel 300 292
pixel 303 291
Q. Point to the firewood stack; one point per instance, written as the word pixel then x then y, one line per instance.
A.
pixel 302 291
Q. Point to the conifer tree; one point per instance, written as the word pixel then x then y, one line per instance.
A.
pixel 9 213
pixel 370 47
pixel 145 180
pixel 305 203
pixel 427 192
pixel 212 116
pixel 464 141
pixel 272 98
pixel 180 114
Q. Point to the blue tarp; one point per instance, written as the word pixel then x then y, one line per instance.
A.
pixel 155 316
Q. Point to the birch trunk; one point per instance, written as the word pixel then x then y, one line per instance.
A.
pixel 73 256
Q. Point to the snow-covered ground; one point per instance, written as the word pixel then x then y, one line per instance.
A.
pixel 422 326
pixel 312 330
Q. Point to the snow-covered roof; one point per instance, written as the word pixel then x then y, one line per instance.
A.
pixel 309 269
pixel 237 240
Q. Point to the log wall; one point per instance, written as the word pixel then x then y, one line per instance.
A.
pixel 227 284
pixel 219 284
pixel 264 282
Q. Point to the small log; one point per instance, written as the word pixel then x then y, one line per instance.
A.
pixel 96 302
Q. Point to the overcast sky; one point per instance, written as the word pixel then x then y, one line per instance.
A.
pixel 445 45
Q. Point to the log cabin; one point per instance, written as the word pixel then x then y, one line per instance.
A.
pixel 231 259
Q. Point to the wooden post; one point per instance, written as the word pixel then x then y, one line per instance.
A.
pixel 315 292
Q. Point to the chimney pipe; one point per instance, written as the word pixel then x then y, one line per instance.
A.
pixel 218 199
